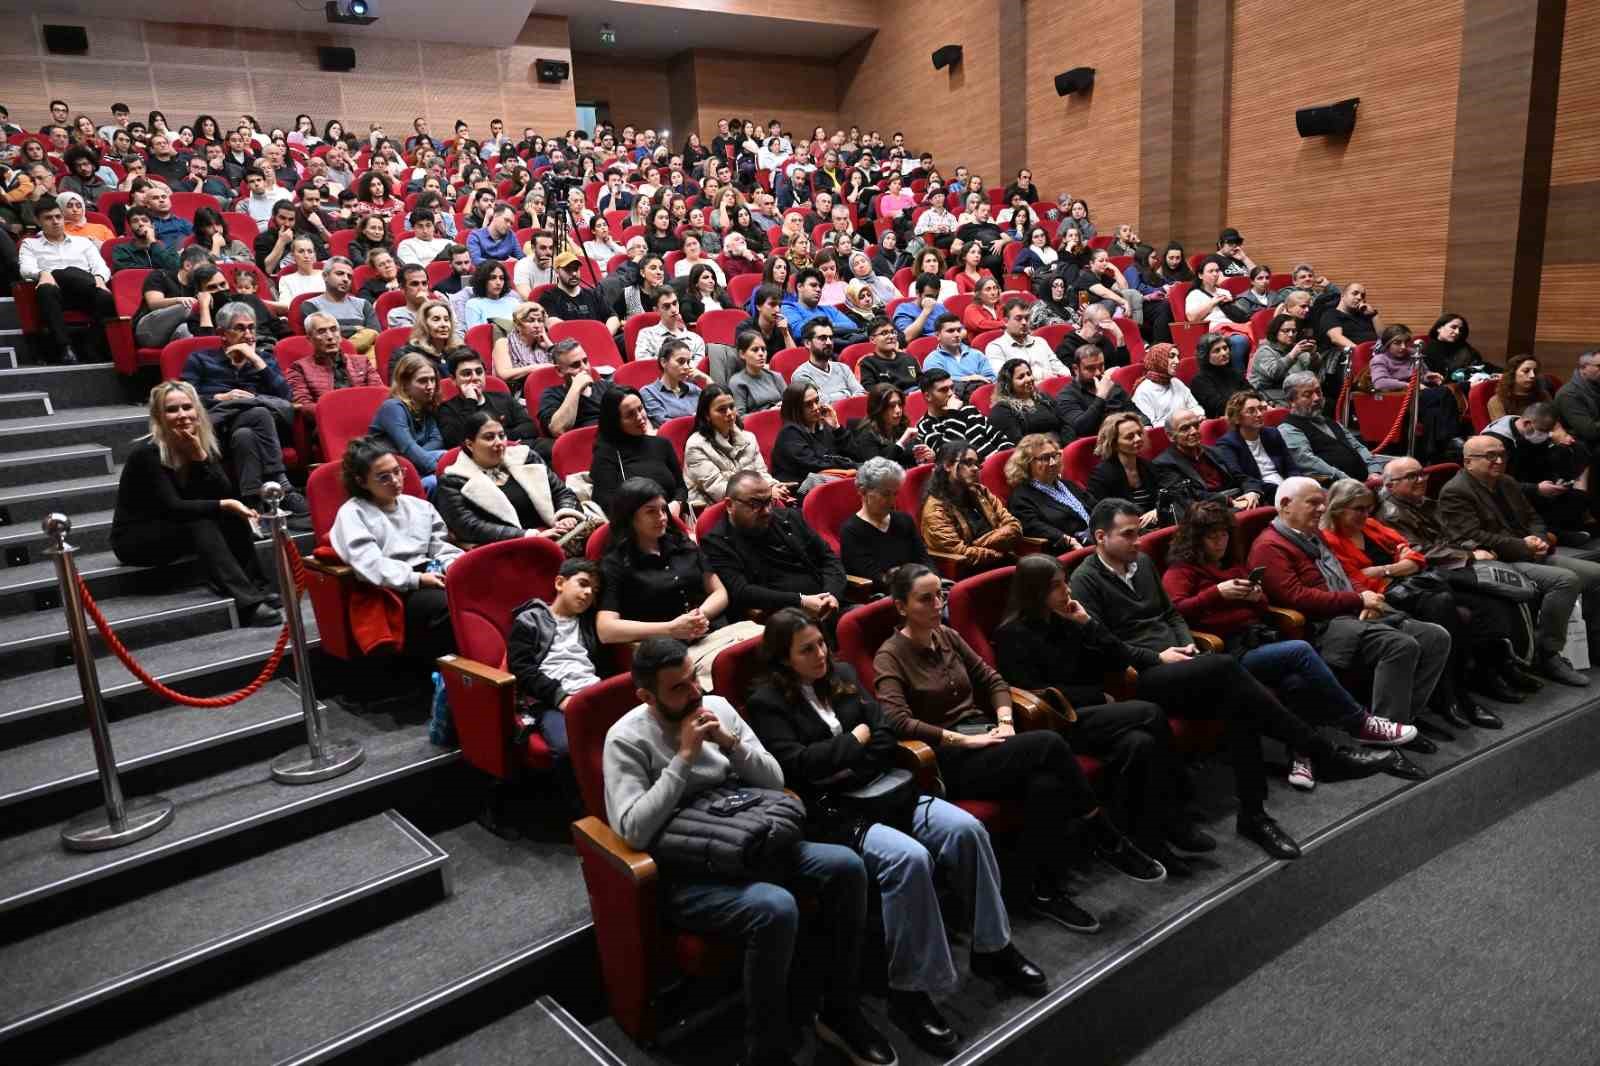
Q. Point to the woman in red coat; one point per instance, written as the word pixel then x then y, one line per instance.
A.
pixel 1210 587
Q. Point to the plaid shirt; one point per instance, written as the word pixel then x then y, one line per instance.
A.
pixel 310 379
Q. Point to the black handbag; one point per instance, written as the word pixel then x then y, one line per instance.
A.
pixel 1404 594
pixel 845 815
pixel 1493 578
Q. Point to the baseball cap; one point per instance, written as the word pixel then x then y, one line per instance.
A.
pixel 1231 236
pixel 566 259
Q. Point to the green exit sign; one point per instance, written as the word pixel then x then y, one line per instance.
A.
pixel 608 36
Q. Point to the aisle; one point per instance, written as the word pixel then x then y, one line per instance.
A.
pixel 1484 955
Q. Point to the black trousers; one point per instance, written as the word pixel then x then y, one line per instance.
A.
pixel 251 439
pixel 428 632
pixel 74 290
pixel 1218 687
pixel 1037 767
pixel 1134 741
pixel 1157 328
pixel 224 544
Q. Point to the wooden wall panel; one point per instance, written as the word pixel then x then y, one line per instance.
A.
pixel 836 12
pixel 1567 322
pixel 392 83
pixel 1087 145
pixel 800 93
pixel 1375 208
pixel 889 83
pixel 636 89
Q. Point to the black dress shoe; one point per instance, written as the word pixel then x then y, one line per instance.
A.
pixel 1500 687
pixel 1269 835
pixel 914 1014
pixel 1405 769
pixel 1428 731
pixel 1175 865
pixel 1009 967
pixel 1348 763
pixel 849 1032
pixel 1450 714
pixel 1186 836
pixel 1479 717
pixel 1521 677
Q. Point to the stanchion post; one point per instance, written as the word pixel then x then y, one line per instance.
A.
pixel 323 756
pixel 122 821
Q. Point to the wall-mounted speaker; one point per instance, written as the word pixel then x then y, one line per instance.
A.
pixel 66 40
pixel 1076 80
pixel 948 56
pixel 552 70
pixel 1332 120
pixel 336 59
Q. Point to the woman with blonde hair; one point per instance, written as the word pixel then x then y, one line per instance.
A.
pixel 1050 507
pixel 432 335
pixel 1123 473
pixel 526 346
pixel 406 421
pixel 175 499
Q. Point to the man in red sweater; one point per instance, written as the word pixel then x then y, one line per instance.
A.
pixel 1351 629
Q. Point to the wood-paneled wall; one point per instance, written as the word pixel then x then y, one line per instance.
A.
pixel 1568 322
pixel 1373 208
pixel 637 90
pixel 1085 144
pixel 889 83
pixel 800 93
pixel 274 76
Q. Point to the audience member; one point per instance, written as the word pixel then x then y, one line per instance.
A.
pixel 811 442
pixel 755 386
pixel 832 379
pixel 554 651
pixel 963 519
pixel 718 448
pixel 1097 329
pixel 1286 350
pixel 1189 470
pixel 498 490
pixel 768 557
pixel 626 447
pixel 948 418
pixel 358 322
pixel 878 538
pixel 1215 380
pixel 408 420
pixel 1322 448
pixel 328 367
pixel 69 275
pixel 473 395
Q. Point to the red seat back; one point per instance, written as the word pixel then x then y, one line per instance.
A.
pixel 1128 376
pixel 828 505
pixel 1078 460
pixel 592 712
pixel 736 671
pixel 862 632
pixel 1478 402
pixel 1213 430
pixel 573 451
pixel 717 326
pixel 740 288
pixel 127 287
pixel 593 337
pixel 707 519
pixel 977 605
pixel 637 374
pixel 765 425
pixel 386 303
pixel 631 330
pixel 343 415
pixel 389 342
pixel 786 361
pixel 177 353
pixel 489 582
pixel 677 430
pixel 993 473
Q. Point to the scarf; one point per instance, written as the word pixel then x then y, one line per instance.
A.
pixel 1158 364
pixel 1327 565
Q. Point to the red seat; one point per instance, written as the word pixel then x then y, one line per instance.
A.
pixel 486 585
pixel 919 348
pixel 983 398
pixel 1378 414
pixel 1176 297
pixel 707 519
pixel 1187 369
pixel 329 582
pixel 1186 337
pixel 678 431
pixel 850 408
pixel 993 473
pixel 787 360
pixel 854 353
pixel 343 415
pixel 1078 460
pixel 296 321
pixel 389 341
pixel 637 374
pixel 480 338
pixel 1128 376
pixel 1260 321
pixel 828 505
pixel 1213 430
pixel 573 451
pixel 536 381
pixel 127 290
pixel 957 305
pixel 631 329
pixel 717 327
pixel 1053 335
pixel 741 286
pixel 1478 402
pixel 386 303
pixel 339 242
pixel 765 425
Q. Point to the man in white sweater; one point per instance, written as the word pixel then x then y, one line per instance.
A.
pixel 658 756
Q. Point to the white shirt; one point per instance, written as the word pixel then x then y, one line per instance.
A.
pixel 1157 404
pixel 1198 299
pixel 292 285
pixel 681 270
pixel 1037 352
pixel 38 255
pixel 651 338
pixel 567 661
pixel 824 712
pixel 260 207
pixel 421 252
pixel 530 274
pixel 1264 463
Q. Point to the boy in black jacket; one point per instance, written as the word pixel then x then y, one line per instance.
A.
pixel 555 652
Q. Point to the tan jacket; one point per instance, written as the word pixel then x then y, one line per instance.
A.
pixel 707 465
pixel 946 531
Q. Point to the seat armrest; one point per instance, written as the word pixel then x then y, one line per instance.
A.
pixel 1208 642
pixel 919 758
pixel 1031 546
pixel 338 570
pixel 596 838
pixel 858 589
pixel 1290 624
pixel 475 671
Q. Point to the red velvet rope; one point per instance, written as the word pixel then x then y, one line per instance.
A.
pixel 120 650
pixel 1399 419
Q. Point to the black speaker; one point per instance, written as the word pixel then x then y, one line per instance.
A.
pixel 552 70
pixel 948 56
pixel 336 59
pixel 1332 120
pixel 1076 80
pixel 66 40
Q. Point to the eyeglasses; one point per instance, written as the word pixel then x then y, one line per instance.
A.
pixel 391 476
pixel 1417 475
pixel 756 503
pixel 1491 457
pixel 1050 459
pixel 242 327
pixel 973 463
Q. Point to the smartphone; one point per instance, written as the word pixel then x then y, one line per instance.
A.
pixel 733 803
pixel 1257 575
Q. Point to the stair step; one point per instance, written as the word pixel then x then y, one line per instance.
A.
pixel 118 426
pixel 47 628
pixel 29 772
pixel 91 532
pixel 28 504
pixel 27 404
pixel 106 953
pixel 84 385
pixel 353 992
pixel 35 867
pixel 52 691
pixel 543 1026
pixel 51 464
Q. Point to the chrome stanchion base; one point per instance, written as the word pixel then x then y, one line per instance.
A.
pixel 94 832
pixel 298 767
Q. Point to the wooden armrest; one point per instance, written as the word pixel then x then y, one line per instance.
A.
pixel 1287 621
pixel 859 589
pixel 1208 642
pixel 1036 711
pixel 915 755
pixel 339 570
pixel 950 556
pixel 473 670
pixel 1031 546
pixel 638 865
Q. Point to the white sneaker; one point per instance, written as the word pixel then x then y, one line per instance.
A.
pixel 1301 775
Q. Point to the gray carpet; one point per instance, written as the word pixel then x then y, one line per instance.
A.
pixel 1482 955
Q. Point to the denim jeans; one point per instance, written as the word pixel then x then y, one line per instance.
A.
pixel 553 727
pixel 945 837
pixel 1239 346
pixel 765 917
pixel 1305 683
